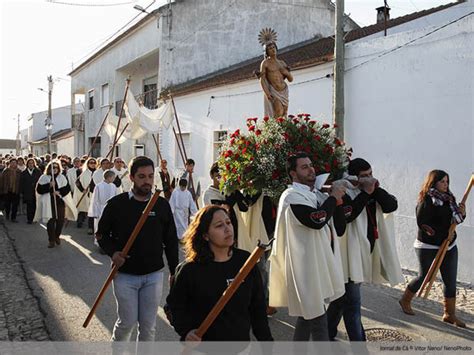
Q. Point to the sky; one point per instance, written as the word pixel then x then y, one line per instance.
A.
pixel 51 37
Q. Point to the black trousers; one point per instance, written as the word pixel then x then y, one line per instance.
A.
pixel 11 204
pixel 55 225
pixel 449 270
pixel 30 210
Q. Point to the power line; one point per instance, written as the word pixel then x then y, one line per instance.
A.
pixel 410 42
pixel 351 68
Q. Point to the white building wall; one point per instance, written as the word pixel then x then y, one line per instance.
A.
pixel 65 146
pixel 217 34
pixel 61 118
pixel 5 151
pixel 136 57
pixel 407 113
pixel 411 112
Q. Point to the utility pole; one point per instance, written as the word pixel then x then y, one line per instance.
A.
pixel 18 138
pixel 49 120
pixel 338 97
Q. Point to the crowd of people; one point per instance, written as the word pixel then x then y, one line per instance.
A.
pixel 327 243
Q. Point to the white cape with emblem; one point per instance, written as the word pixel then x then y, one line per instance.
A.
pixel 305 274
pixel 251 226
pixel 85 179
pixel 43 201
pixel 359 264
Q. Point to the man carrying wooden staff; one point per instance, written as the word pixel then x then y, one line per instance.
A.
pixel 436 211
pixel 139 282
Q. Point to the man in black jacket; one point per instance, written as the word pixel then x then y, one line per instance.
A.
pixel 139 283
pixel 29 178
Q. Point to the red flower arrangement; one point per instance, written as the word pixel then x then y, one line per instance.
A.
pixel 256 161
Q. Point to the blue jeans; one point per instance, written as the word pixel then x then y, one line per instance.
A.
pixel 138 298
pixel 316 328
pixel 448 269
pixel 347 306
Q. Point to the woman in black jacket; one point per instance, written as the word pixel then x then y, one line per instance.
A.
pixel 29 178
pixel 436 211
pixel 212 262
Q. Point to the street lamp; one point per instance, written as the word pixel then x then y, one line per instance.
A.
pixel 140 8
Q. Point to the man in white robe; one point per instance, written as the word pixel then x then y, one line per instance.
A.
pixel 305 269
pixel 82 193
pixel 368 250
pixel 182 206
pixel 98 175
pixel 104 191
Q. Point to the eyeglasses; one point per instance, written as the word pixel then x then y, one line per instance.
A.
pixel 92 162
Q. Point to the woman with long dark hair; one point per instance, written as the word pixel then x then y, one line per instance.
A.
pixel 436 211
pixel 54 201
pixel 212 262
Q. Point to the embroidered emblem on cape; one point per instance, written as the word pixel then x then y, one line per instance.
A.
pixel 152 214
pixel 229 281
pixel 318 217
pixel 347 211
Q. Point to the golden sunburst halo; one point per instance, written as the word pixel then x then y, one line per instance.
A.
pixel 266 36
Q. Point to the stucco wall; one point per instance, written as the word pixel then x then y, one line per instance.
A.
pixel 65 146
pixel 219 33
pixel 136 56
pixel 407 113
pixel 61 118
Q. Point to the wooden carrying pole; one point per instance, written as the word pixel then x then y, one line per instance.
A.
pixel 98 132
pixel 158 152
pixel 110 152
pixel 438 260
pixel 83 195
pixel 183 153
pixel 119 120
pixel 125 251
pixel 232 288
pixel 54 191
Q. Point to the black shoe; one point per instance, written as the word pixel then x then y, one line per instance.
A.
pixel 79 225
pixel 29 222
pixel 58 240
pixel 14 221
pixel 51 245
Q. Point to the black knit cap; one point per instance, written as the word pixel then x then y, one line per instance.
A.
pixel 357 165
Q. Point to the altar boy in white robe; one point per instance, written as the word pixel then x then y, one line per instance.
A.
pixel 104 191
pixel 305 268
pixel 182 206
